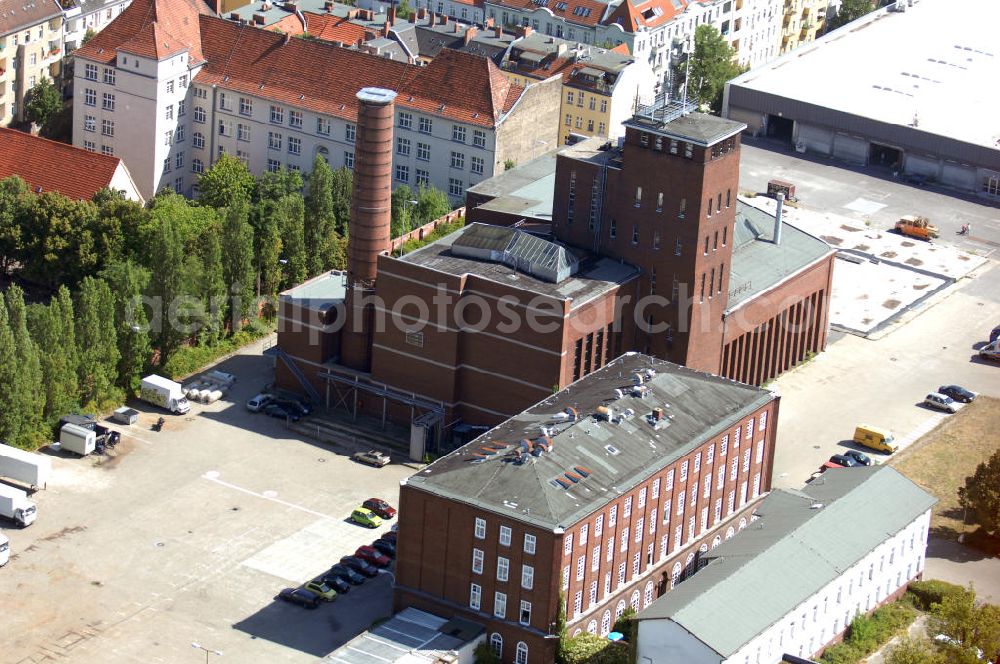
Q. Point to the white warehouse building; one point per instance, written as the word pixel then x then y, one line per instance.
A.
pixel 791 583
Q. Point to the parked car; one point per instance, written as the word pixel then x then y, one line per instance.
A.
pixel 300 596
pixel 365 517
pixel 390 537
pixel 346 573
pixel 874 438
pixel 843 460
pixel 359 566
pixel 257 403
pixel 958 393
pixel 991 351
pixel 380 507
pixel 860 458
pixel 281 413
pixel 371 555
pixel 941 402
pixel 371 458
pixel 293 405
pixel 385 547
pixel 995 334
pixel 321 590
pixel 338 583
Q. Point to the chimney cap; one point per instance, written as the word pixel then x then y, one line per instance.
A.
pixel 376 95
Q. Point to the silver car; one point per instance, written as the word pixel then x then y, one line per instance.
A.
pixel 942 402
pixel 256 404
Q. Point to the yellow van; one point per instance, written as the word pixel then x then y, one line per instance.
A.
pixel 875 438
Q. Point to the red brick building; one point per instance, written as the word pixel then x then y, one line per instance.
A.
pixel 604 492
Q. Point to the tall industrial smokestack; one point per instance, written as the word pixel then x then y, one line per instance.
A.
pixel 371 198
pixel 780 197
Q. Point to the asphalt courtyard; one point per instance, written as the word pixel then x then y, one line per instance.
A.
pixel 186 536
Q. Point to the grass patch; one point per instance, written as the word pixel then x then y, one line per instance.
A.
pixel 190 359
pixel 436 234
pixel 942 459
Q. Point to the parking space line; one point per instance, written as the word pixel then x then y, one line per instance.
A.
pixel 270 498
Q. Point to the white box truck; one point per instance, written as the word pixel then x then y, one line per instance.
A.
pixel 78 440
pixel 26 467
pixel 4 550
pixel 164 393
pixel 14 505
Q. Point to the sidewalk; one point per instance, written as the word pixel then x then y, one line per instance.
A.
pixel 918 628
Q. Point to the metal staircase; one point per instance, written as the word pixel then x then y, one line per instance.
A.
pixel 299 376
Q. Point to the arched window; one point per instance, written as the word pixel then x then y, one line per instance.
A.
pixel 323 152
pixel 730 533
pixel 635 601
pixel 675 574
pixel 496 642
pixel 743 523
pixel 592 627
pixel 647 595
pixel 689 565
pixel 577 632
pixel 620 609
pixel 521 657
pixel 716 542
pixel 606 623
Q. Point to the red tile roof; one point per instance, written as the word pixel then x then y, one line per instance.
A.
pixel 632 15
pixel 333 28
pixel 150 28
pixel 52 166
pixel 461 86
pixel 581 12
pixel 20 14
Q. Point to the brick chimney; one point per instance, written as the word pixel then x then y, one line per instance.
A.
pixel 524 30
pixel 489 23
pixel 470 34
pixel 421 13
pixel 390 18
pixel 444 19
pixel 432 18
pixel 456 27
pixel 498 31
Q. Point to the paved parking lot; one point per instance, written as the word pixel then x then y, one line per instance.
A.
pixel 186 536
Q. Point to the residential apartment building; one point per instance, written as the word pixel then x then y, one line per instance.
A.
pixel 817 564
pixel 600 87
pixel 169 88
pixel 605 494
pixel 79 17
pixel 31 47
pixel 802 21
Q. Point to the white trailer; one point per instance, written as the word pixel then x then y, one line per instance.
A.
pixel 4 550
pixel 27 467
pixel 14 505
pixel 77 439
pixel 164 393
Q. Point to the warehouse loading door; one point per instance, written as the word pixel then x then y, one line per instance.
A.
pixel 780 128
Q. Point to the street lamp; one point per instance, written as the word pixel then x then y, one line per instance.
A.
pixel 208 651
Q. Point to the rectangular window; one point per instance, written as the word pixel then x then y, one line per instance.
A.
pixel 402 173
pixel 642 497
pixel 350 132
pixel 623 540
pixel 107 127
pixel 760 451
pixel 273 165
pixel 613 516
pixel 621 574
pixel 477 561
pixel 90 72
pixel 89 146
pixel 457 160
pixel 505 535
pixel 456 187
pixel 273 140
pixel 478 165
pixel 198 140
pixel 475 596
pixel 224 102
pixel 179 160
pixel 503 568
pixel 610 549
pixel 667 504
pixel 458 133
pixel 577 603
pixel 322 126
pixel 480 528
pixel 635 565
pixel 670 480
pixel 581 564
pixel 638 529
pixel 295 119
pixel 405 120
pixel 243 132
pixel 403 147
pixel 89 123
pixel 500 605
pixel 746 460
pixel 348 159
pixel 718 510
pixel 680 503
pixel 426 126
pixel 108 150
pixel 423 178
pixel 568 544
pixel 109 75
pixel 278 115
pixel 595 558
pixel 599 525
pixel 527 577
pixel 529 544
pixel 593 594
pixel 423 152
pixel 684 470
pixel 170 87
pixel 525 618
pixel 294 145
pixel 479 138
pixel 199 114
pixel 734 468
pixel 627 512
pixel 565 577
pixel 246 106
pixel 108 101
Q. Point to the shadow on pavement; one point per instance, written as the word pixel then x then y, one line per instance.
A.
pixel 946 549
pixel 321 631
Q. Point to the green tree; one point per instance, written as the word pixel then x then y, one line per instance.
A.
pixel 12 418
pixel 560 629
pixel 401 210
pixel 712 64
pixel 848 11
pixel 46 324
pixel 237 264
pixel 60 240
pixel 14 197
pixel 913 651
pixel 29 399
pixel 97 344
pixel 132 222
pixel 211 288
pixel 342 190
pixel 320 218
pixel 42 101
pixel 167 288
pixel 404 10
pixel 981 494
pixel 88 35
pixel 432 203
pixel 484 654
pixel 227 182
pixel 291 215
pixel 128 282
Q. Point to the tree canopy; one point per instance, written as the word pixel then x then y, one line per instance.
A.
pixel 42 101
pixel 981 494
pixel 848 11
pixel 712 64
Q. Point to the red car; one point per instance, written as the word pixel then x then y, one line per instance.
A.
pixel 380 507
pixel 370 554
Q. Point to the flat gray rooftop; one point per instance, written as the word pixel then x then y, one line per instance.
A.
pixel 758 263
pixel 699 128
pixel 933 67
pixel 409 637
pixel 801 541
pixel 591 460
pixel 319 293
pixel 594 276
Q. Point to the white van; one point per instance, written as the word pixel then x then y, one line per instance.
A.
pixel 257 403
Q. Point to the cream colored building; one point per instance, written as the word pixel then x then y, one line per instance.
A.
pixel 31 44
pixel 803 20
